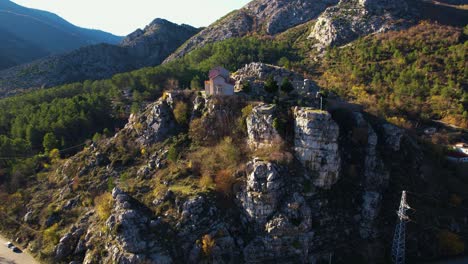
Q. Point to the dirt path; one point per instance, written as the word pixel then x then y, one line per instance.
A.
pixel 9 257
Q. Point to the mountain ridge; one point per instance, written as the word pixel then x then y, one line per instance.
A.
pixel 142 48
pixel 45 31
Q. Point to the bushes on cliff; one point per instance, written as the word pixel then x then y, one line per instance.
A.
pixel 181 113
pixel 208 244
pixel 222 122
pixel 217 163
pixel 103 205
pixel 450 244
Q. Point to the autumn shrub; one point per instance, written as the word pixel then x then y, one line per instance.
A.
pixel 276 151
pixel 54 155
pixel 206 182
pixel 197 131
pixel 103 205
pixel 450 244
pixel 181 113
pixel 224 181
pixel 209 160
pixel 51 235
pixel 208 244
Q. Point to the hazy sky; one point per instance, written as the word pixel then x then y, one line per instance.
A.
pixel 122 17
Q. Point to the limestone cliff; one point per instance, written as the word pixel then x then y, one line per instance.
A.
pixel 316 145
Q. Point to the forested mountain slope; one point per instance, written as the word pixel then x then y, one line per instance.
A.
pixel 142 48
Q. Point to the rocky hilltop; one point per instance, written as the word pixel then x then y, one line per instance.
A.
pixel 147 47
pixel 199 179
pixel 261 16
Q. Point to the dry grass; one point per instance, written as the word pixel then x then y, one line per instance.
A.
pixel 103 205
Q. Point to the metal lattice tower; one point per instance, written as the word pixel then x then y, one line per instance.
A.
pixel 398 247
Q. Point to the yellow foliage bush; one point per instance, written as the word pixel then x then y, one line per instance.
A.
pixel 450 244
pixel 208 244
pixel 181 113
pixel 54 155
pixel 51 235
pixel 103 205
pixel 206 182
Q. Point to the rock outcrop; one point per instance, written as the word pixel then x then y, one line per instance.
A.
pixel 393 136
pixel 275 211
pixel 135 238
pixel 260 130
pixel 316 145
pixel 262 191
pixel 73 242
pixel 350 19
pixel 256 73
pixel 375 180
pixel 154 125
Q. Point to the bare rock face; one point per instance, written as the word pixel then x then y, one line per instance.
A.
pixel 153 125
pixel 262 191
pixel 393 136
pixel 73 242
pixel 260 130
pixel 350 19
pixel 375 180
pixel 266 16
pixel 279 15
pixel 316 145
pixel 135 240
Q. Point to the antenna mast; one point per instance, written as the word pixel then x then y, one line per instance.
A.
pixel 398 247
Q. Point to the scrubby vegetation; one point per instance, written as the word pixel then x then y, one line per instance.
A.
pixel 415 75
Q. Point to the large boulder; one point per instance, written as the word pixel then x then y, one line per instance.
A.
pixel 316 145
pixel 134 240
pixel 155 124
pixel 260 195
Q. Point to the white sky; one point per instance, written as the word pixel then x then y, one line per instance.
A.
pixel 122 17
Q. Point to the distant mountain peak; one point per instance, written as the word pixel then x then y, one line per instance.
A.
pixel 142 48
pixel 160 21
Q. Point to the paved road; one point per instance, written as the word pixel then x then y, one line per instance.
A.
pixel 9 257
